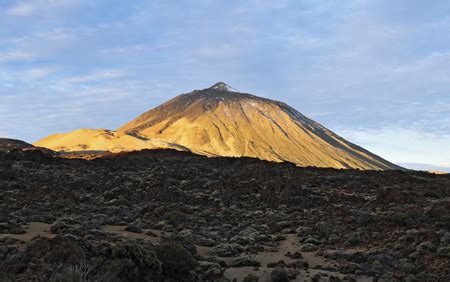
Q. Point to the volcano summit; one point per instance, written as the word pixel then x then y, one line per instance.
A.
pixel 220 121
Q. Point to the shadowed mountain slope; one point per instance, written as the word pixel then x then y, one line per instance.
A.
pixel 7 144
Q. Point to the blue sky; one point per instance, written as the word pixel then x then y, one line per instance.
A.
pixel 375 72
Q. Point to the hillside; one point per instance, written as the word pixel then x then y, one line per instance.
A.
pixel 7 144
pixel 218 121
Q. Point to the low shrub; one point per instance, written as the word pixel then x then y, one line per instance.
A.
pixel 133 262
pixel 177 262
pixel 279 275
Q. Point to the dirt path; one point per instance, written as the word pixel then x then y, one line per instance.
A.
pixel 33 229
pixel 289 245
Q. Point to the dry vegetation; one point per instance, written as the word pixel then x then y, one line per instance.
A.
pixel 168 215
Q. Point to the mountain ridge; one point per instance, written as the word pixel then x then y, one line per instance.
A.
pixel 219 121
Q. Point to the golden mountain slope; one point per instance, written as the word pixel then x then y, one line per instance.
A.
pixel 220 122
pixel 100 140
pixel 216 121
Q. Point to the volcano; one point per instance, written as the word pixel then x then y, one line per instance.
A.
pixel 221 121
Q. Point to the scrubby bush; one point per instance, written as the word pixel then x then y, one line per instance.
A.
pixel 251 278
pixel 209 271
pixel 76 273
pixel 175 218
pixel 279 275
pixel 242 262
pixel 184 241
pixel 7 277
pixel 133 262
pixel 177 262
pixel 400 218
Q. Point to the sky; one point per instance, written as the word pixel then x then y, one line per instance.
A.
pixel 375 72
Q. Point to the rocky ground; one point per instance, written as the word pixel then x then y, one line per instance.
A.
pixel 173 216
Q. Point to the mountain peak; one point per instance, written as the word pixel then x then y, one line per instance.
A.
pixel 223 87
pixel 221 121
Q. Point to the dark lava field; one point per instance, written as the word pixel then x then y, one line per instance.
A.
pixel 170 216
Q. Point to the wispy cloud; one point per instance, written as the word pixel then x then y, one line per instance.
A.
pixel 129 49
pixel 435 62
pixel 39 73
pixel 14 56
pixel 218 51
pixel 22 9
pixel 28 8
pixel 96 76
